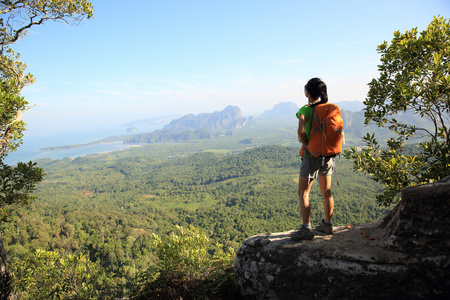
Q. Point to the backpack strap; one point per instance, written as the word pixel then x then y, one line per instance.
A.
pixel 315 128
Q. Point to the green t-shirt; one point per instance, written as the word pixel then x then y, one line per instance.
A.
pixel 307 111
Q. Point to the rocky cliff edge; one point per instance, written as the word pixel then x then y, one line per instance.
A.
pixel 406 255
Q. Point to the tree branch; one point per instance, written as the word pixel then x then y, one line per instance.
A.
pixel 11 7
pixel 31 13
pixel 16 35
pixel 19 115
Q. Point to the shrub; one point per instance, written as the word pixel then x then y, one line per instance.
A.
pixel 188 267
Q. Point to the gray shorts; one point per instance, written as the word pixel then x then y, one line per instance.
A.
pixel 311 166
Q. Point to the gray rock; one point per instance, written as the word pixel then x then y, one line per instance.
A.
pixel 403 256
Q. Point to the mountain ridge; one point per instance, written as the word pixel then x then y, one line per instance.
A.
pixel 229 118
pixel 288 109
pixel 209 125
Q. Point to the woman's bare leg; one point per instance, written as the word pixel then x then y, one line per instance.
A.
pixel 304 187
pixel 328 201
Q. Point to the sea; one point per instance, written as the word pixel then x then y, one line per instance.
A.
pixel 31 149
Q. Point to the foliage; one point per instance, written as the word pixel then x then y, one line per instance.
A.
pixel 23 14
pixel 159 136
pixel 108 206
pixel 16 184
pixel 16 17
pixel 5 283
pixel 47 275
pixel 414 76
pixel 188 267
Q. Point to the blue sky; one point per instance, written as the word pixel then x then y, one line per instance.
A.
pixel 138 59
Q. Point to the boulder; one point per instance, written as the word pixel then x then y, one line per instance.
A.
pixel 403 256
pixel 421 221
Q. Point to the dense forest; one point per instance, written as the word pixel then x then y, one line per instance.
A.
pixel 159 136
pixel 108 206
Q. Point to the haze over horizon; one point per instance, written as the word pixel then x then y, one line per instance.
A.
pixel 145 59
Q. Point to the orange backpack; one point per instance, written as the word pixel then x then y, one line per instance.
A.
pixel 327 131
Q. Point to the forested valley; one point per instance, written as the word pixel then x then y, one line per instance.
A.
pixel 163 219
pixel 109 206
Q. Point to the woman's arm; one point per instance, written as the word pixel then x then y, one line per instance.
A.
pixel 301 128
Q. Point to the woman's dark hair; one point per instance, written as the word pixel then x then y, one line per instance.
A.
pixel 317 89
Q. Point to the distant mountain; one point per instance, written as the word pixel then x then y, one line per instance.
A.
pixel 354 106
pixel 288 109
pixel 194 127
pixel 284 109
pixel 229 118
pixel 355 128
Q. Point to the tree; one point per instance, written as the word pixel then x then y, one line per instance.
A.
pixel 17 16
pixel 188 267
pixel 414 77
pixel 47 275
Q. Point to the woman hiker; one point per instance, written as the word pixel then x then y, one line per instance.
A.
pixel 311 167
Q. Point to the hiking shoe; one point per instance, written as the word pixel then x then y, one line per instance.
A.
pixel 324 228
pixel 302 233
